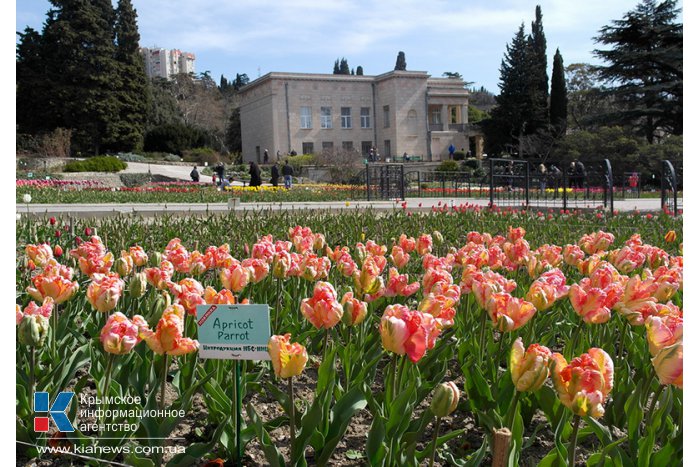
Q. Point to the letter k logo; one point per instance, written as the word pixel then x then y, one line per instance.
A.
pixel 57 411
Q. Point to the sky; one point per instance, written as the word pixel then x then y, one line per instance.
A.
pixel 259 36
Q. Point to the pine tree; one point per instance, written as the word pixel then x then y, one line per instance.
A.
pixel 359 71
pixel 400 62
pixel 34 113
pixel 132 91
pixel 559 101
pixel 539 86
pixel 336 67
pixel 645 68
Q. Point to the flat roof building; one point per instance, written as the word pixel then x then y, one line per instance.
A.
pixel 399 112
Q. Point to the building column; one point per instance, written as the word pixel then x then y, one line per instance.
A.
pixel 444 117
pixel 465 114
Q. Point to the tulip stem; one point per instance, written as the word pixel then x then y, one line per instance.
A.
pixel 482 336
pixel 435 438
pixel 292 417
pixel 512 410
pixel 165 379
pixel 54 319
pixel 107 377
pixel 572 444
pixel 277 308
pixel 647 419
pixel 31 371
pixel 325 344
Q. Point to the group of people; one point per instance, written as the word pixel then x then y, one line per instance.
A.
pixel 219 178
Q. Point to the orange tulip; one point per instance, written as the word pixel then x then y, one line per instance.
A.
pixel 583 384
pixel 40 254
pixel 398 285
pixel 440 307
pixel 670 236
pixel 637 301
pixel 434 275
pixel 573 254
pixel 668 364
pixel 104 291
pixel 509 313
pixel 488 283
pixel 596 242
pixel 54 282
pixel 664 329
pixel 368 279
pixel 589 304
pixel 399 257
pixel 139 256
pixel 188 293
pixel 168 336
pixel 44 310
pixel 322 309
pixel 288 359
pixel 159 277
pixel 225 297
pixel 337 253
pixel 424 245
pixel 121 334
pixel 626 260
pixel 529 369
pixel 236 277
pixel 259 267
pixel 354 310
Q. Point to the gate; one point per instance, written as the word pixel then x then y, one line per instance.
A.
pixel 384 182
pixel 669 188
pixel 509 182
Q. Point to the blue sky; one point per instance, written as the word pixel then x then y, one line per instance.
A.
pixel 259 36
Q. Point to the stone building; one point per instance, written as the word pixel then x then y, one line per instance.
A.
pixel 399 112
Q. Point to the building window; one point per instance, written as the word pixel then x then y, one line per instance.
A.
pixel 305 113
pixel 453 115
pixel 364 117
pixel 327 146
pixel 307 148
pixel 347 146
pixel 326 121
pixel 345 117
pixel 366 146
pixel 387 148
pixel 386 116
pixel 436 116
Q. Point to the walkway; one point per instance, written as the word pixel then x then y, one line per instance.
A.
pixel 412 204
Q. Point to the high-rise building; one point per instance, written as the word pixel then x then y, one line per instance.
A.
pixel 166 63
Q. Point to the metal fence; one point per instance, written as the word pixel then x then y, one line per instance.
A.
pixel 670 185
pixel 384 181
pixel 444 185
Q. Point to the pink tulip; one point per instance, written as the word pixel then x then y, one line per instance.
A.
pixel 664 329
pixel 236 277
pixel 104 291
pixel 509 313
pixel 597 242
pixel 399 257
pixel 159 277
pixel 188 293
pixel 55 282
pixel 529 369
pixel 406 332
pixel 583 384
pixel 668 364
pixel 322 309
pixel 424 245
pixel 168 336
pixel 139 256
pixel 212 297
pixel 354 310
pixel 120 334
pixel 40 254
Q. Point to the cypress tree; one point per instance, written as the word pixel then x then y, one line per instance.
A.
pixel 513 105
pixel 559 101
pixel 132 88
pixel 539 85
pixel 336 67
pixel 359 71
pixel 344 67
pixel 400 62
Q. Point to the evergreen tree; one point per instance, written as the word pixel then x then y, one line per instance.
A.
pixel 559 101
pixel 79 53
pixel 344 67
pixel 513 105
pixel 336 67
pixel 223 83
pixel 132 90
pixel 645 68
pixel 240 81
pixel 539 86
pixel 400 62
pixel 233 132
pixel 34 114
pixel 359 71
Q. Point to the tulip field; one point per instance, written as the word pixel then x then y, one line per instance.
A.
pixel 458 337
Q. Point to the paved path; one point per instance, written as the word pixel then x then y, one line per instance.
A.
pixel 413 204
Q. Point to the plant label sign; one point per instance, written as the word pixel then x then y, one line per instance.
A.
pixel 233 332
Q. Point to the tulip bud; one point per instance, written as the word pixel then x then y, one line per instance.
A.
pixel 52 220
pixel 137 285
pixel 27 198
pixel 123 266
pixel 529 369
pixel 155 259
pixel 57 251
pixel 445 399
pixel 670 236
pixel 33 330
pixel 163 301
pixel 438 238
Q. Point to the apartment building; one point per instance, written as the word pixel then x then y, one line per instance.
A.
pixel 399 112
pixel 166 63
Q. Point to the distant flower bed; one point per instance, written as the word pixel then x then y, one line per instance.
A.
pixel 58 183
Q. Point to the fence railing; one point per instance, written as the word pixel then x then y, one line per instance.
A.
pixel 669 188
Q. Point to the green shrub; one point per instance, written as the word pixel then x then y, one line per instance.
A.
pixel 448 166
pixel 297 162
pixel 201 155
pixel 133 180
pixel 172 158
pixel 131 157
pixel 96 164
pixel 471 163
pixel 458 155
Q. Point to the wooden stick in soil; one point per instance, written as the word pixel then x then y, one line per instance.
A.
pixel 292 417
pixel 501 445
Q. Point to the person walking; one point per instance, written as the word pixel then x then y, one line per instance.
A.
pixel 219 173
pixel 266 157
pixel 287 171
pixel 254 171
pixel 274 174
pixel 580 173
pixel 542 171
pixel 194 175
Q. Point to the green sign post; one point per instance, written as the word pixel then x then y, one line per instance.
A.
pixel 234 332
